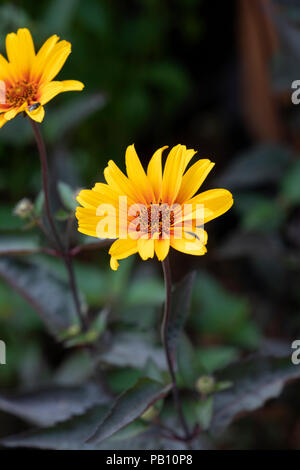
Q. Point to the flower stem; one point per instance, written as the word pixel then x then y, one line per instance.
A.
pixel 164 335
pixel 45 172
pixel 64 251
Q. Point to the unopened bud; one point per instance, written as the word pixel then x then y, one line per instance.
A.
pixel 205 384
pixel 24 208
pixel 150 414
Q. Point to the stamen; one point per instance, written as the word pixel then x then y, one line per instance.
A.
pixel 21 92
pixel 156 220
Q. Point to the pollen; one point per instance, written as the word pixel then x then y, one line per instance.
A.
pixel 156 220
pixel 21 92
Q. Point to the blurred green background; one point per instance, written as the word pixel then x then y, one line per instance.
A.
pixel 217 79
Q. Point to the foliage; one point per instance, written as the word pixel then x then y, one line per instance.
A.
pixel 234 312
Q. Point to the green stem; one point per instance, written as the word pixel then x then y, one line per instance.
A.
pixel 164 335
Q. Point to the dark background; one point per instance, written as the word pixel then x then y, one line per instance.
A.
pixel 215 76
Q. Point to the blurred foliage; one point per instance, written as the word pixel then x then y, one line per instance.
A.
pixel 154 74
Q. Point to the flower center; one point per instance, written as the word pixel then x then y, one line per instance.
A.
pixel 157 219
pixel 20 92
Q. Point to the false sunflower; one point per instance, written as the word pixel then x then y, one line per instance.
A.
pixel 161 207
pixel 26 78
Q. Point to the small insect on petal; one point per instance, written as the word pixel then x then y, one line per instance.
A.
pixel 34 106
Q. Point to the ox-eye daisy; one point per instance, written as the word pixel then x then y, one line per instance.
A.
pixel 26 78
pixel 171 193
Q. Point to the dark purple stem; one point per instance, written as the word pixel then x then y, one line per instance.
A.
pixel 164 335
pixel 61 249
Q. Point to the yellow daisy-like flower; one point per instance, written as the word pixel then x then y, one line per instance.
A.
pixel 150 211
pixel 26 78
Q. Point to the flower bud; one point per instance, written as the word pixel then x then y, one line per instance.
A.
pixel 150 414
pixel 24 209
pixel 205 384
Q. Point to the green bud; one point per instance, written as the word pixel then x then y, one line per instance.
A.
pixel 150 414
pixel 205 384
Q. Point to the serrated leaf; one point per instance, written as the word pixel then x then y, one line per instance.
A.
pixel 255 381
pixel 70 435
pixel 290 187
pixel 67 195
pixel 73 434
pixel 212 358
pixel 100 321
pixel 251 244
pixel 38 204
pixel 221 311
pixel 204 411
pixel 133 350
pixel 253 167
pixel 152 371
pixel 129 406
pixel 54 404
pixel 265 215
pixel 93 333
pixel 145 292
pixel 186 362
pixel 180 304
pixel 18 245
pixel 96 329
pixel 62 215
pixel 76 369
pixel 48 295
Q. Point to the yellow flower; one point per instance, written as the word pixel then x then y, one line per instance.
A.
pixel 150 211
pixel 26 78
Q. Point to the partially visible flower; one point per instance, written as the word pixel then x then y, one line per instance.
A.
pixel 24 208
pixel 163 210
pixel 26 78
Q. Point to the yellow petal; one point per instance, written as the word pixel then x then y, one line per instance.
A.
pixel 12 51
pixel 72 85
pixel 146 248
pixel 193 179
pixel 11 113
pixel 188 155
pixel 191 243
pixel 5 71
pixel 88 231
pixel 99 231
pixel 92 199
pixel 214 202
pixel 26 48
pixel 114 264
pixel 116 179
pixel 172 176
pixel 55 61
pixel 108 195
pixel 137 175
pixel 2 120
pixel 42 56
pixel 20 51
pixel 50 89
pixel 85 212
pixel 121 249
pixel 162 248
pixel 37 115
pixel 154 172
